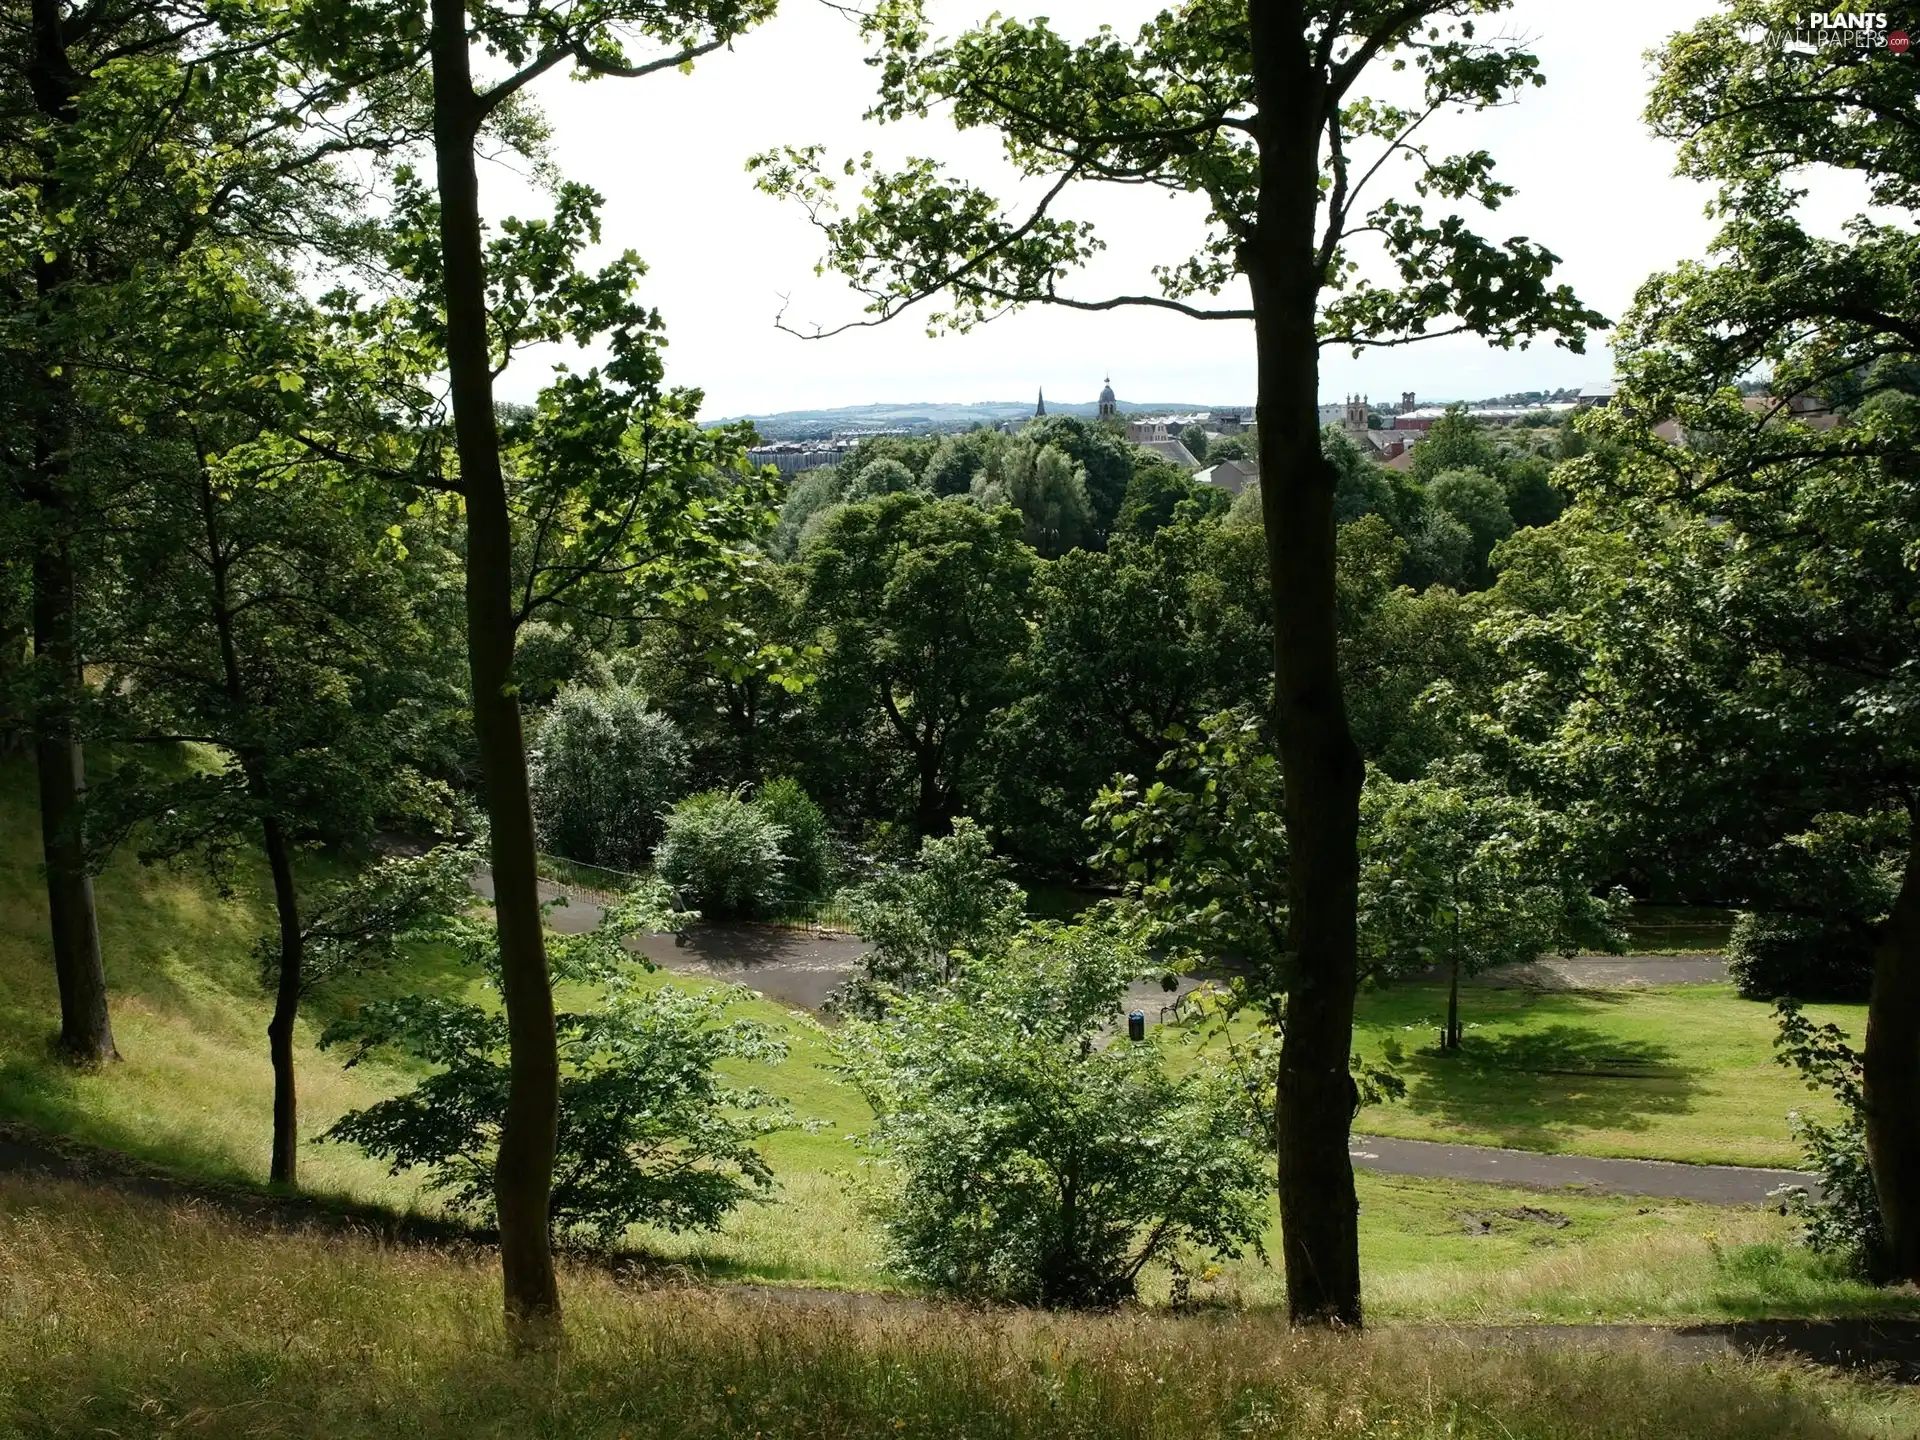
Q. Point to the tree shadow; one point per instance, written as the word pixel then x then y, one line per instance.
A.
pixel 1531 1087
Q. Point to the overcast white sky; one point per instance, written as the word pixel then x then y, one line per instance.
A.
pixel 668 153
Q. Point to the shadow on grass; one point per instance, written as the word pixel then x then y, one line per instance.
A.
pixel 42 1095
pixel 1528 1088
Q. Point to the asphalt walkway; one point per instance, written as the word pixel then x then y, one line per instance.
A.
pixel 802 968
pixel 1534 1170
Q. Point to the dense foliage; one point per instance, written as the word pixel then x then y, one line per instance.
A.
pixel 604 769
pixel 1032 1154
pixel 650 1131
pixel 724 855
pixel 1845 1220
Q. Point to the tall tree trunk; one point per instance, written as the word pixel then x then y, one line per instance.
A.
pixel 1452 1039
pixel 285 1162
pixel 286 1007
pixel 1319 1209
pixel 523 1178
pixel 86 1037
pixel 1893 1069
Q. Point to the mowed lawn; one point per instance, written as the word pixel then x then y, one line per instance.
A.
pixel 1683 1073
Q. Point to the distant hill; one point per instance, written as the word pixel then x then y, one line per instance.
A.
pixel 922 417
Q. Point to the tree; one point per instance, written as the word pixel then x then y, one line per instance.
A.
pixel 808 849
pixel 1456 441
pixel 1101 452
pixel 923 605
pixel 1363 488
pixel 1031 1163
pixel 650 1131
pixel 723 855
pixel 1160 493
pixel 1127 648
pixel 133 134
pixel 1803 532
pixel 880 477
pixel 1259 112
pixel 619 482
pixel 262 600
pixel 1195 439
pixel 1457 875
pixel 922 921
pixel 1048 490
pixel 732 670
pixel 1475 502
pixel 604 769
pixel 1244 446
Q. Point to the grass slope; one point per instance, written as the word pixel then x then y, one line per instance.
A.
pixel 129 1317
pixel 193 1096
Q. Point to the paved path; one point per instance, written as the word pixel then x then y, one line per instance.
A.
pixel 1664 1179
pixel 802 968
pixel 796 968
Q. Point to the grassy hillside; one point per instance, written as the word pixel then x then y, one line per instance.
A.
pixel 192 1096
pixel 130 1317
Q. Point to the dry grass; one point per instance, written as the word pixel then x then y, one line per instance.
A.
pixel 128 1317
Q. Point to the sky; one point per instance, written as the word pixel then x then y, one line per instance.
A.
pixel 668 152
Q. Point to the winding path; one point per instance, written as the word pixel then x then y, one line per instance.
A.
pixel 802 968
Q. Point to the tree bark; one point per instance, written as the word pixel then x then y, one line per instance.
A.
pixel 284 1164
pixel 1319 1208
pixel 1892 1069
pixel 286 1007
pixel 86 1033
pixel 86 1036
pixel 523 1177
pixel 1452 1040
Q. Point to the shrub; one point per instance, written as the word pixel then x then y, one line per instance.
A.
pixel 955 900
pixel 722 856
pixel 604 769
pixel 650 1133
pixel 1845 1220
pixel 547 657
pixel 1030 1162
pixel 880 477
pixel 808 845
pixel 1808 957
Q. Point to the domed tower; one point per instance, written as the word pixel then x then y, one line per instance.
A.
pixel 1108 409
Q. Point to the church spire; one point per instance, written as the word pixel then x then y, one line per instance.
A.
pixel 1041 408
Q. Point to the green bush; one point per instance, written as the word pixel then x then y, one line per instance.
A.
pixel 650 1132
pixel 723 856
pixel 955 900
pixel 1845 1221
pixel 808 846
pixel 603 770
pixel 547 658
pixel 1032 1155
pixel 1808 957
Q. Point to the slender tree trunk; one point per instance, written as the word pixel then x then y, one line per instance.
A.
pixel 1893 1069
pixel 1319 1209
pixel 286 1007
pixel 523 1178
pixel 289 977
pixel 1452 1039
pixel 86 1037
